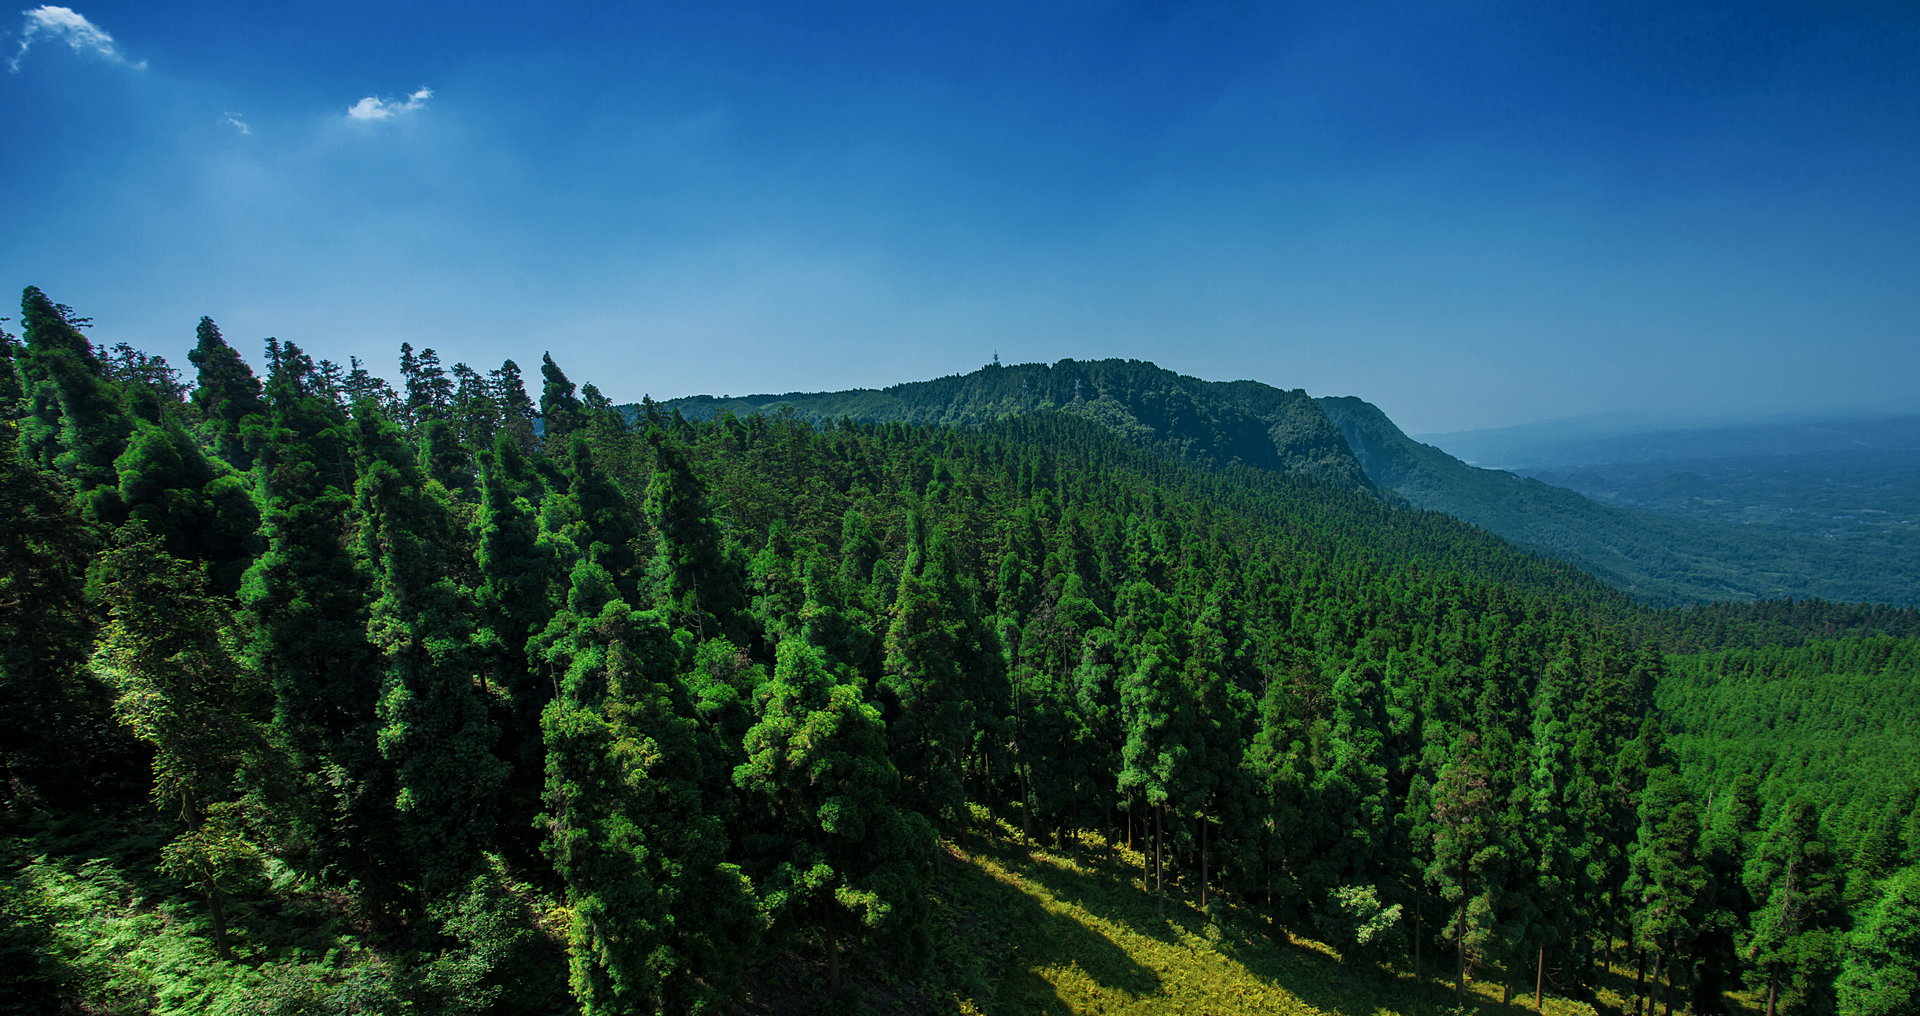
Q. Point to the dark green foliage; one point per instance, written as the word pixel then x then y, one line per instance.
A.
pixel 230 400
pixel 58 735
pixel 691 576
pixel 1116 606
pixel 1793 936
pixel 560 409
pixel 656 910
pixel 76 420
pixel 434 730
pixel 940 680
pixel 11 389
pixel 834 855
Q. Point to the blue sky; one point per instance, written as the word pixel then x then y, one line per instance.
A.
pixel 1471 214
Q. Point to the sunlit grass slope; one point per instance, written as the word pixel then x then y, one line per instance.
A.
pixel 1026 930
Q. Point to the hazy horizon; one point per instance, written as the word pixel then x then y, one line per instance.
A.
pixel 1470 219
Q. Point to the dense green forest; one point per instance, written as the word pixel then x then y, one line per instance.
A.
pixel 332 696
pixel 1838 531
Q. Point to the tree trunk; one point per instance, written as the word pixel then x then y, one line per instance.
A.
pixel 1653 984
pixel 1639 980
pixel 1146 863
pixel 1773 992
pixel 1540 981
pixel 1418 934
pixel 1026 808
pixel 1159 873
pixel 1460 943
pixel 1506 987
pixel 833 961
pixel 1606 963
pixel 216 912
pixel 1203 864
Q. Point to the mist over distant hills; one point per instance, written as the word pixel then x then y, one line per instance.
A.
pixel 1640 437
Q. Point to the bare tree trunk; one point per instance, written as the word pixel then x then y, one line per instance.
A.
pixel 833 961
pixel 1159 872
pixel 1026 809
pixel 1203 864
pixel 1418 935
pixel 1639 980
pixel 1460 943
pixel 1653 984
pixel 1540 981
pixel 1773 993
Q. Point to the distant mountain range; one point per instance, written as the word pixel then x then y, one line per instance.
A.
pixel 1632 523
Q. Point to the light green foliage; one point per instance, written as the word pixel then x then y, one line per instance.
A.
pixel 1881 976
pixel 656 911
pixel 835 854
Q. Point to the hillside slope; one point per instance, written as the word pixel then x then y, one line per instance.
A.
pixel 1209 423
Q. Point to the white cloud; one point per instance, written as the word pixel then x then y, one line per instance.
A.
pixel 371 108
pixel 233 120
pixel 80 34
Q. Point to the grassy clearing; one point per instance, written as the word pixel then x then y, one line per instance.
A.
pixel 1024 930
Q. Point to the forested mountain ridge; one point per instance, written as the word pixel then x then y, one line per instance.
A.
pixel 1211 423
pixel 1658 558
pixel 340 698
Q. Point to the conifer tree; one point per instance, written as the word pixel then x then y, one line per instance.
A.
pixel 517 410
pixel 305 611
pixel 75 422
pixel 1881 976
pixel 1158 761
pixel 230 400
pixel 1666 881
pixel 838 857
pixel 45 631
pixel 1792 943
pixel 433 728
pixel 170 653
pixel 692 578
pixel 1464 845
pixel 657 915
pixel 939 680
pixel 1354 817
pixel 560 409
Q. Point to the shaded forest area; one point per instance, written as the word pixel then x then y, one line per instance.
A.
pixel 451 699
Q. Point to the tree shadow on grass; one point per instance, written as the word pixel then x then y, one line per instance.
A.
pixel 991 942
pixel 1103 885
pixel 1110 889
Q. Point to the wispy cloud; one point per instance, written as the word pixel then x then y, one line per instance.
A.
pixel 233 120
pixel 66 23
pixel 372 108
